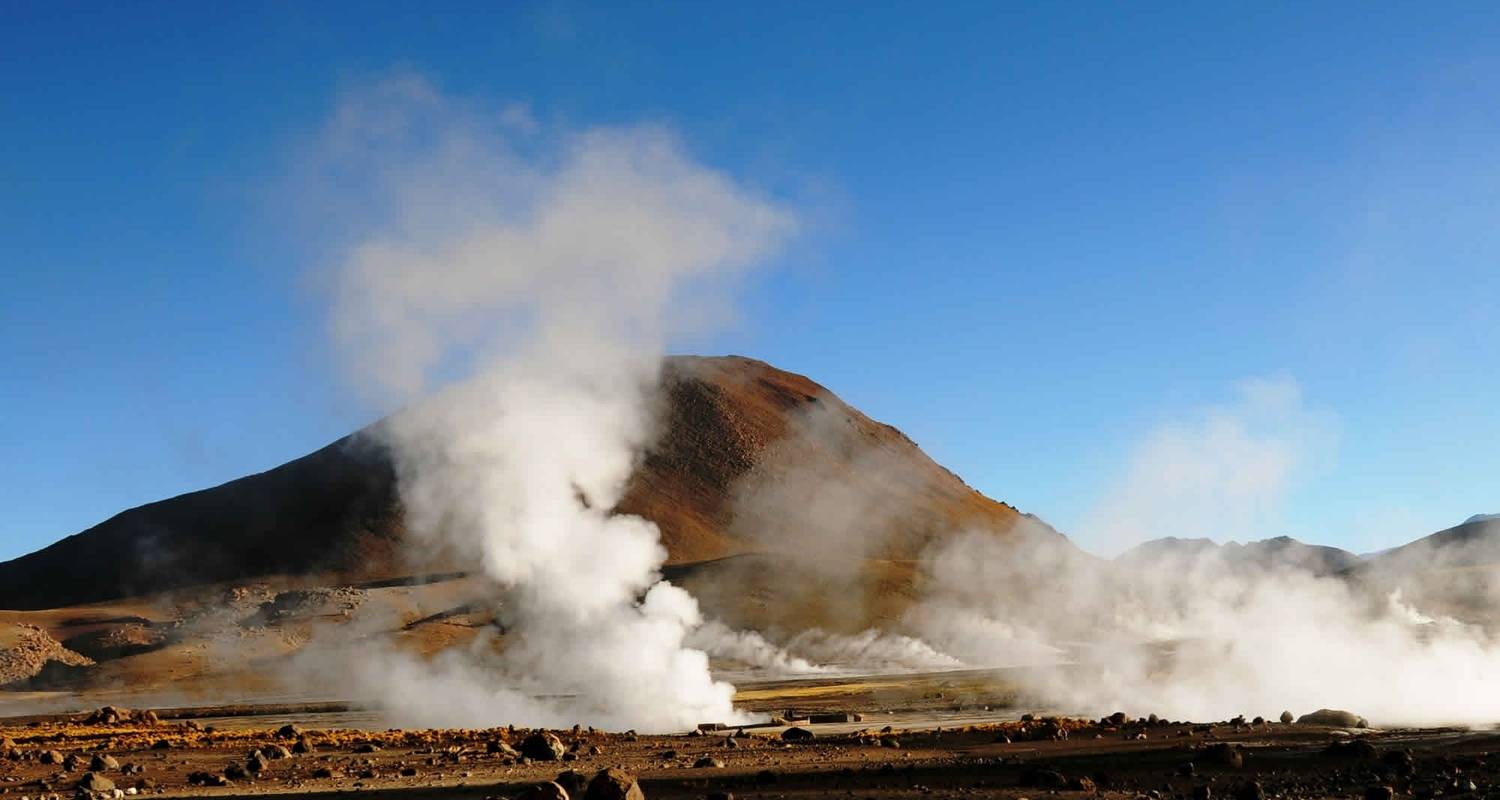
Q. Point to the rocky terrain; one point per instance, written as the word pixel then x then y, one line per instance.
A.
pixel 114 753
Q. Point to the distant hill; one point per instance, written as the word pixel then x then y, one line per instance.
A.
pixel 1278 552
pixel 726 422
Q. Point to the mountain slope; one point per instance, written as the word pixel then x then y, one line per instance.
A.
pixel 733 430
pixel 1281 552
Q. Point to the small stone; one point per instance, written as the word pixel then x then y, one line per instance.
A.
pixel 708 762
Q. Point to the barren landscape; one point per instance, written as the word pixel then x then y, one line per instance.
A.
pixel 267 683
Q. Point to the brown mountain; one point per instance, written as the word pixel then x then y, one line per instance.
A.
pixel 750 459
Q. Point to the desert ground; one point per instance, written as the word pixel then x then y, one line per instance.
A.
pixel 849 737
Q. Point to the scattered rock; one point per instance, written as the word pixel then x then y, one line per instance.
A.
pixel 289 731
pixel 614 784
pixel 303 746
pixel 542 746
pixel 1379 793
pixel 101 763
pixel 275 752
pixel 50 757
pixel 236 772
pixel 708 762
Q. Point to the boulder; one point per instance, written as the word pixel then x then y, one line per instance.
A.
pixel 1358 750
pixel 796 735
pixel 257 762
pixel 542 746
pixel 614 784
pixel 94 782
pixel 1042 778
pixel 1286 718
pixel 573 781
pixel 1333 717
pixel 1250 790
pixel 1223 755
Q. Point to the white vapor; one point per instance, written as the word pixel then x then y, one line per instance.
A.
pixel 1224 473
pixel 1191 631
pixel 518 293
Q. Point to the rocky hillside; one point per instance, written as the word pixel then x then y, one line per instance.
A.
pixel 741 443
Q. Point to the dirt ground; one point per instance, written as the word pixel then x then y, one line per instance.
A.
pixel 927 749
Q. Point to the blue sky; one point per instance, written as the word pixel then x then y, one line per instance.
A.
pixel 1061 248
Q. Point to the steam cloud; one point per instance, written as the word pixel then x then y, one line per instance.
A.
pixel 1185 630
pixel 520 294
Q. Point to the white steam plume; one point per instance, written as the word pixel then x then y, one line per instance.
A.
pixel 535 284
pixel 1187 630
pixel 1224 473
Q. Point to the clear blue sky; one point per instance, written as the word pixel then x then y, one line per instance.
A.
pixel 1040 236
